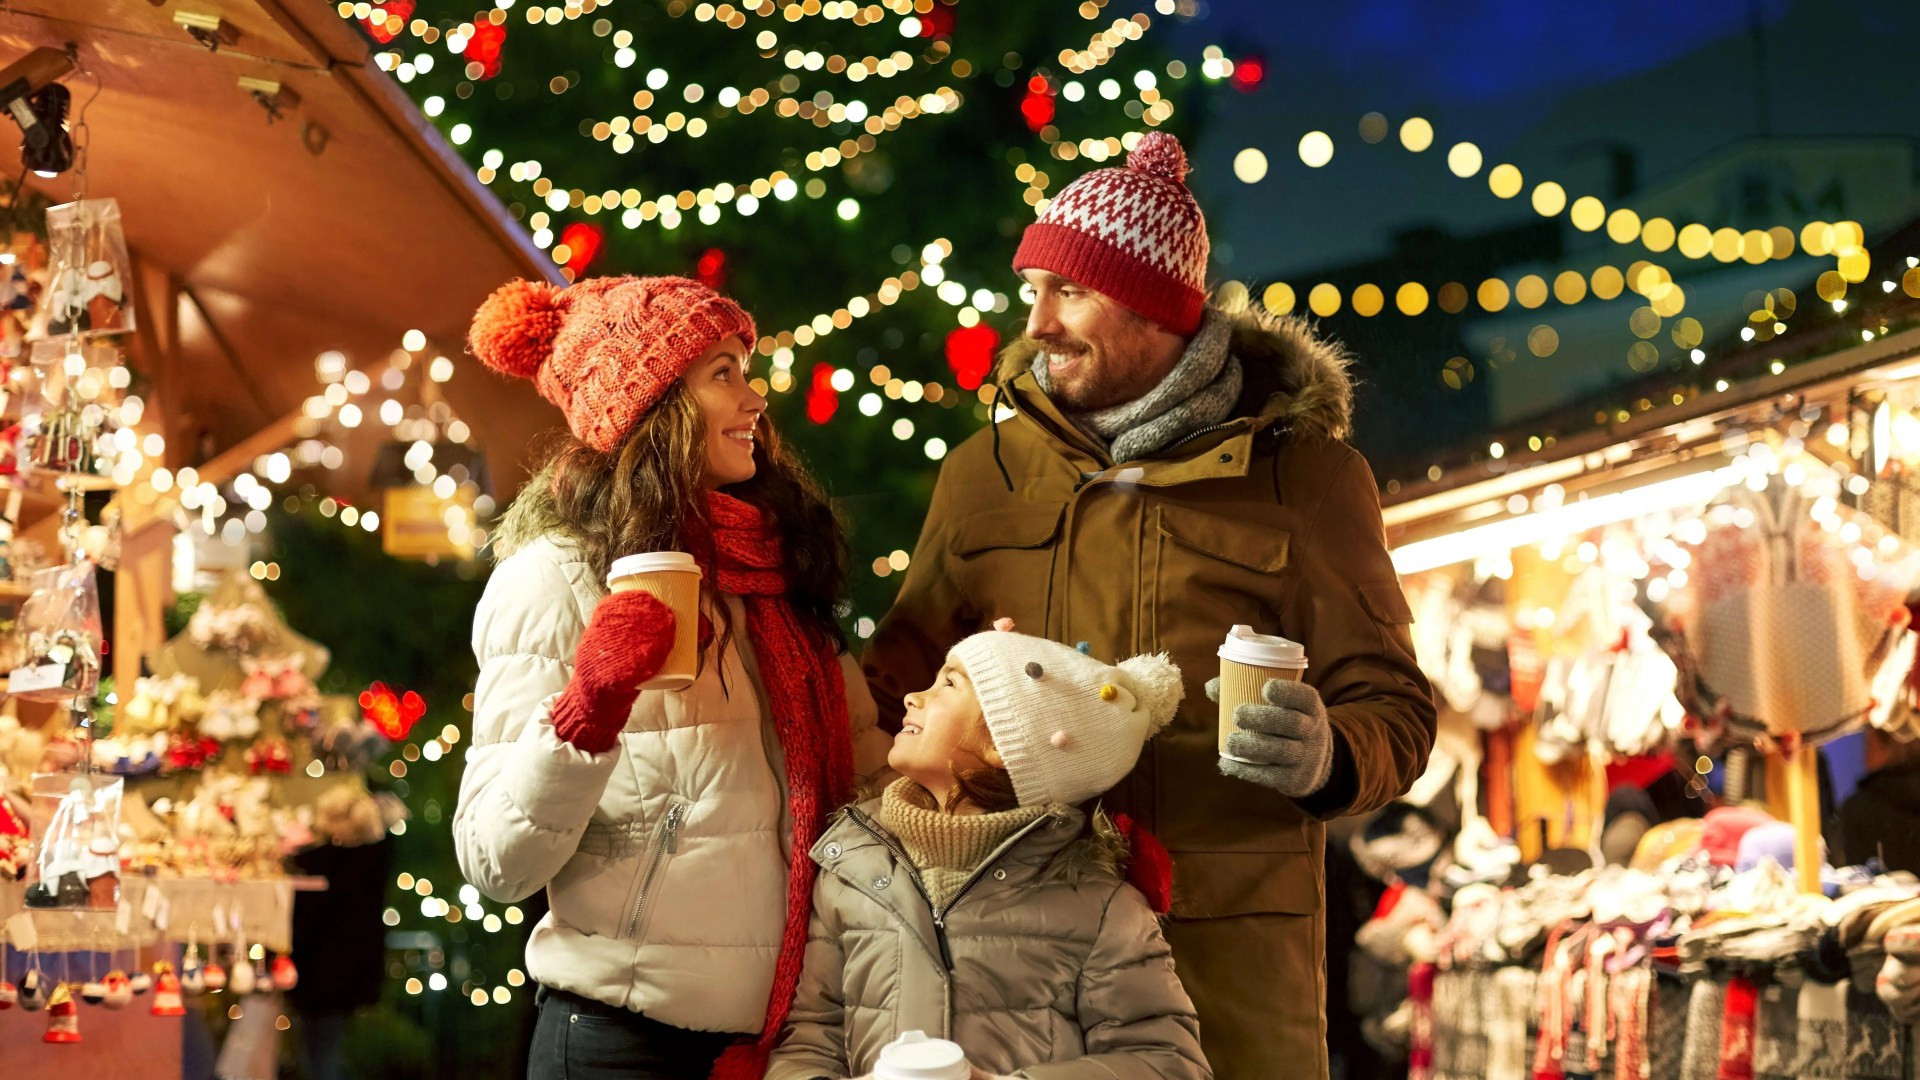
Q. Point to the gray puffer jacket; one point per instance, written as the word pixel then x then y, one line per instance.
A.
pixel 1045 965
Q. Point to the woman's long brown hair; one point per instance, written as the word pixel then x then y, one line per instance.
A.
pixel 647 494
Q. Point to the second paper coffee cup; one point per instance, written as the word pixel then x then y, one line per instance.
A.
pixel 1247 661
pixel 673 578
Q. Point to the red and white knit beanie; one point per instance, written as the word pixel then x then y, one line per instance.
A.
pixel 605 349
pixel 1134 234
pixel 1068 726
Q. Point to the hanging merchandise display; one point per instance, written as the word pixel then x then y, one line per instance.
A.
pixel 87 289
pixel 79 818
pixel 60 625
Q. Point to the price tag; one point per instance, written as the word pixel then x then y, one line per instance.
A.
pixel 123 918
pixel 163 916
pixel 150 902
pixel 21 933
pixel 42 677
pixel 219 917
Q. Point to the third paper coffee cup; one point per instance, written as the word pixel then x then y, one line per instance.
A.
pixel 673 578
pixel 1247 661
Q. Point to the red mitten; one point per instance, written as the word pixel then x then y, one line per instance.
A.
pixel 625 644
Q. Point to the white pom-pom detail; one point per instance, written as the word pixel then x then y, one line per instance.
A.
pixel 1157 686
pixel 1060 740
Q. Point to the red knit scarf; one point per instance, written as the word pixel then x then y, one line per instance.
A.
pixel 807 696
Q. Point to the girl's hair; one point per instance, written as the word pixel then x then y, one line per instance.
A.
pixel 646 494
pixel 988 788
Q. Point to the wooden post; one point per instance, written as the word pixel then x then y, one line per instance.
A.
pixel 1803 808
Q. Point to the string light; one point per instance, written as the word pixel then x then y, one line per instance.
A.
pixel 1104 44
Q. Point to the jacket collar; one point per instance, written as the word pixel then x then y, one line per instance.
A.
pixel 1295 379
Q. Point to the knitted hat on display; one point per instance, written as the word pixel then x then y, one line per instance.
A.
pixel 1724 827
pixel 1133 234
pixel 1068 726
pixel 605 349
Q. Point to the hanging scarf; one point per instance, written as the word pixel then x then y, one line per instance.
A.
pixel 807 697
pixel 1201 390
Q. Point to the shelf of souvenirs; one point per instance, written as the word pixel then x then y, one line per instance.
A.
pixel 43 484
pixel 182 909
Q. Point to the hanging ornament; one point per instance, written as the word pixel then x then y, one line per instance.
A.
pixel 193 974
pixel 1036 107
pixel 240 980
pixel 214 976
pixel 140 983
pixel 970 352
pixel 9 995
pixel 119 990
pixel 391 714
pixel 285 975
pixel 63 1017
pixel 34 989
pixel 166 992
pixel 93 992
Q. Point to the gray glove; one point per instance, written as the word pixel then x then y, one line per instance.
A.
pixel 1288 739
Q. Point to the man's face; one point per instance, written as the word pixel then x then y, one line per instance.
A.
pixel 1099 353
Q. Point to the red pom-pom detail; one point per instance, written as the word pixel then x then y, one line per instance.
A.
pixel 513 332
pixel 1159 154
pixel 1149 866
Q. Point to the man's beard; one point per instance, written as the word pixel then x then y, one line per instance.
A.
pixel 1109 376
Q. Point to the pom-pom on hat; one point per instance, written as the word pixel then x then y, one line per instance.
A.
pixel 1068 726
pixel 604 349
pixel 1134 234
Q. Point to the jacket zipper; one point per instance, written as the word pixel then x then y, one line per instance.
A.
pixel 669 842
pixel 940 913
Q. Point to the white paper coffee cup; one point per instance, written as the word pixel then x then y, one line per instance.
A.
pixel 915 1056
pixel 673 578
pixel 1247 661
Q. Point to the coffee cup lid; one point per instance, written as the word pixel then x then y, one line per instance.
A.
pixel 1243 646
pixel 915 1056
pixel 652 562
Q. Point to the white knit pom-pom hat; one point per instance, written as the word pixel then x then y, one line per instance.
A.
pixel 1068 726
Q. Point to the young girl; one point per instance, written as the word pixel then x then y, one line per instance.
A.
pixel 668 828
pixel 976 901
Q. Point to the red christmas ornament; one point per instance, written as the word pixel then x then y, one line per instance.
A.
pixel 822 398
pixel 272 756
pixel 387 20
pixel 970 352
pixel 711 270
pixel 483 47
pixel 937 23
pixel 583 242
pixel 187 752
pixel 1248 73
pixel 1037 106
pixel 391 714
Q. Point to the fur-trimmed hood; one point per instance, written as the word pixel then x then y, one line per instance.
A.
pixel 1293 374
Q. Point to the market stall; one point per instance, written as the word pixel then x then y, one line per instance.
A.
pixel 1640 639
pixel 182 350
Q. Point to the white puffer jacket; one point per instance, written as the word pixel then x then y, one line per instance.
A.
pixel 664 859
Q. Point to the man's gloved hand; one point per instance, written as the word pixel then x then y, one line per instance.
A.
pixel 1287 742
pixel 625 644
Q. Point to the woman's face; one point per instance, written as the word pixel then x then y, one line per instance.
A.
pixel 943 727
pixel 730 408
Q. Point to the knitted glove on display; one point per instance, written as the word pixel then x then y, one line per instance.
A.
pixel 624 645
pixel 1288 740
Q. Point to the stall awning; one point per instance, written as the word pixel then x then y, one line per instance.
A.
pixel 341 224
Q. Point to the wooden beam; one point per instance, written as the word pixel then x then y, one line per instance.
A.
pixel 239 457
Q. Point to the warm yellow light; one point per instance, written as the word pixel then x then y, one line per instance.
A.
pixel 1623 225
pixel 1505 181
pixel 1608 282
pixel 1588 213
pixel 1411 298
pixel 1316 149
pixel 1569 287
pixel 1416 134
pixel 1658 234
pixel 1464 159
pixel 1530 291
pixel 1696 241
pixel 1278 298
pixel 1368 300
pixel 1493 294
pixel 1324 299
pixel 1549 199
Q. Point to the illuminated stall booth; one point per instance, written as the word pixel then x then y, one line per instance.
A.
pixel 1639 638
pixel 235 191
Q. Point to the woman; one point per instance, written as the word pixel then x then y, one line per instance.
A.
pixel 670 829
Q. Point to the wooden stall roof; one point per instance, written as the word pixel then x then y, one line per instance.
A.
pixel 341 225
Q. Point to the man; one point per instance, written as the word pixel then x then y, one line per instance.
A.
pixel 1172 470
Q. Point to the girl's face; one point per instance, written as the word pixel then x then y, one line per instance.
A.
pixel 943 727
pixel 730 408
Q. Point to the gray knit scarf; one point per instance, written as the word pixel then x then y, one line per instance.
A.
pixel 1200 390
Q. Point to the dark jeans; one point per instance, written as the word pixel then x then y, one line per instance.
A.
pixel 577 1038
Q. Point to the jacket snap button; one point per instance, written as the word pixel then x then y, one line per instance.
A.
pixel 999 875
pixel 1226 457
pixel 833 851
pixel 882 881
pixel 573 1018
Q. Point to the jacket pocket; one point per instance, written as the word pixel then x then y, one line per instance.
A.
pixel 652 871
pixel 1008 554
pixel 1220 884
